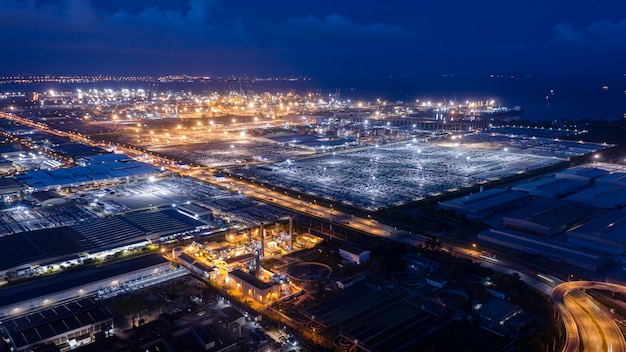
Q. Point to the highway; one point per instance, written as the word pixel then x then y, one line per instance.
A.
pixel 588 327
pixel 333 216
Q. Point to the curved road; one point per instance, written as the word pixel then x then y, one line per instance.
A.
pixel 588 327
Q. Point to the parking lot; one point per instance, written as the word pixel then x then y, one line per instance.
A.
pixel 390 175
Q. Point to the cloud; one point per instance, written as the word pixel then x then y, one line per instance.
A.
pixel 77 24
pixel 336 29
pixel 599 35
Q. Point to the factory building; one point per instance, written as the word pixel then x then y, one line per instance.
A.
pixel 480 205
pixel 354 254
pixel 602 195
pixel 552 187
pixel 606 233
pixel 113 168
pixel 66 326
pixel 35 252
pixel 556 251
pixel 547 217
pixel 251 286
pixel 583 173
pixel 194 265
pixel 32 295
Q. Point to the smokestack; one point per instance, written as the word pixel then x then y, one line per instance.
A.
pixel 290 233
pixel 262 240
pixel 257 263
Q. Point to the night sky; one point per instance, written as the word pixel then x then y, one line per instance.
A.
pixel 320 38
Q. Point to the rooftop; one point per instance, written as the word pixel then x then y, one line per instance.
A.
pixel 35 247
pixel 555 250
pixel 497 310
pixel 250 279
pixel 354 249
pixel 587 172
pixel 551 187
pixel 610 227
pixel 240 258
pixel 74 279
pixel 195 209
pixel 186 258
pixel 76 175
pixel 603 195
pixel 618 178
pixel 485 200
pixel 552 214
pixel 32 328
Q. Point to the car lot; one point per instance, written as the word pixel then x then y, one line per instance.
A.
pixel 389 175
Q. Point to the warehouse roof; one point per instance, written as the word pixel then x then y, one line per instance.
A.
pixel 35 247
pixel 250 279
pixel 74 279
pixel 552 187
pixel 605 195
pixel 32 328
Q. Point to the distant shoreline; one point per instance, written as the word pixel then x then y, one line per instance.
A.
pixel 542 97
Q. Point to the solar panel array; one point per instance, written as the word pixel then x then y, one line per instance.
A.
pixel 162 223
pixel 42 325
pixel 35 247
pixel 104 232
pixel 39 245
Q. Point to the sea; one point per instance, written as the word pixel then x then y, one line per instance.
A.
pixel 542 97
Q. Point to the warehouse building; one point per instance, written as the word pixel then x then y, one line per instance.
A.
pixel 480 205
pixel 194 265
pixel 113 169
pixel 552 187
pixel 354 254
pixel 67 326
pixel 614 178
pixel 548 217
pixel 502 317
pixel 196 211
pixel 583 173
pixel 250 286
pixel 606 233
pixel 602 195
pixel 555 251
pixel 18 299
pixel 36 252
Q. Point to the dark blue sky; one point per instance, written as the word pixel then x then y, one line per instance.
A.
pixel 317 38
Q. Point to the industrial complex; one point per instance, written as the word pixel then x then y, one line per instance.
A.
pixel 136 221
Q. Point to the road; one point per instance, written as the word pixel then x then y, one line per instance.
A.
pixel 588 327
pixel 330 214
